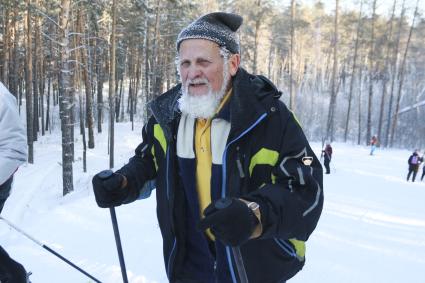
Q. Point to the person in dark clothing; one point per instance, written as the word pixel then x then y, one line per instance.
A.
pixel 423 169
pixel 11 271
pixel 234 197
pixel 414 161
pixel 13 152
pixel 327 157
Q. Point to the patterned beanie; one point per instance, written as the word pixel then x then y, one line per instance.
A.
pixel 217 27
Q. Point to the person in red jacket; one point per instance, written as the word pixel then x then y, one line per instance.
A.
pixel 373 144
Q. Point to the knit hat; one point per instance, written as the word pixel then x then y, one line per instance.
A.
pixel 218 27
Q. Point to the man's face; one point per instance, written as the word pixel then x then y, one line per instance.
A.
pixel 201 66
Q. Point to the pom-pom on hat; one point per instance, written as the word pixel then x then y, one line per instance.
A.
pixel 218 27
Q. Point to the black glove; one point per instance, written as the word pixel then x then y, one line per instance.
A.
pixel 107 189
pixel 230 220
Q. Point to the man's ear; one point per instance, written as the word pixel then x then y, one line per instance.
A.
pixel 234 61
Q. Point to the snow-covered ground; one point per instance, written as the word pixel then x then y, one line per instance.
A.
pixel 372 228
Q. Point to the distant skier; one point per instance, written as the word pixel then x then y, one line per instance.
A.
pixel 13 152
pixel 414 162
pixel 373 144
pixel 327 155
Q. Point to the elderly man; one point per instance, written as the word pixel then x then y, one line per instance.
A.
pixel 13 152
pixel 238 188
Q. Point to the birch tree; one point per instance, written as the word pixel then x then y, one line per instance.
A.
pixel 28 85
pixel 371 75
pixel 332 102
pixel 65 97
pixel 353 71
pixel 401 75
pixel 385 71
pixel 112 85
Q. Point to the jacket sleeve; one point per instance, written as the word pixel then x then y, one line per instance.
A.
pixel 13 138
pixel 140 169
pixel 291 206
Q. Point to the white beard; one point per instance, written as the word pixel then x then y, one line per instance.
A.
pixel 202 106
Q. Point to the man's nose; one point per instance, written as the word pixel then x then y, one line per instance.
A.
pixel 194 73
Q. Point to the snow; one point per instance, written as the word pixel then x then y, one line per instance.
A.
pixel 372 228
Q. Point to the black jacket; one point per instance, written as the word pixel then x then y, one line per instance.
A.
pixel 414 166
pixel 262 162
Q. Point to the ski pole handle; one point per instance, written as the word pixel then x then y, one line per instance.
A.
pixel 105 174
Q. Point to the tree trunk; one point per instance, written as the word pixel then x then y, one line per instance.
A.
pixel 48 101
pixel 77 83
pixel 332 102
pixel 371 76
pixel 6 38
pixel 112 86
pixel 40 73
pixel 353 71
pixel 65 94
pixel 291 58
pixel 359 134
pixel 147 71
pixel 156 58
pixel 14 67
pixel 394 70
pixel 385 71
pixel 28 87
pixel 402 72
pixel 83 131
pixel 100 59
pixel 258 21
pixel 36 75
pixel 87 84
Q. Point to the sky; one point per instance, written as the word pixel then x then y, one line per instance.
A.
pixel 383 6
pixel 372 228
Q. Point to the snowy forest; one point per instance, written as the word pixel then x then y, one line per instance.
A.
pixel 80 67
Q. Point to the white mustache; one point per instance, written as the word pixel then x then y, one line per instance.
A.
pixel 197 81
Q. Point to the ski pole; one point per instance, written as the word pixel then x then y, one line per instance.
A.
pixel 240 265
pixel 49 249
pixel 118 243
pixel 106 174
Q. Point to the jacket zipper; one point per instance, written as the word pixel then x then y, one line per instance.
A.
pixel 223 187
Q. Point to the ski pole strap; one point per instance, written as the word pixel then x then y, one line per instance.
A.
pixel 48 249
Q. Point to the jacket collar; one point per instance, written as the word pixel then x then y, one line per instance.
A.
pixel 165 109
